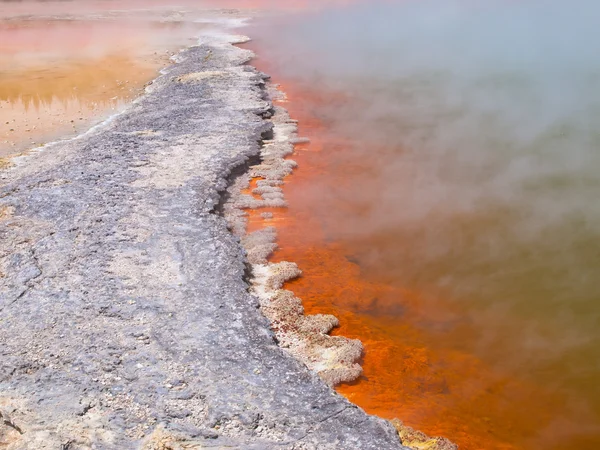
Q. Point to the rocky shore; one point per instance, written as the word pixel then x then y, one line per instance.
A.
pixel 126 317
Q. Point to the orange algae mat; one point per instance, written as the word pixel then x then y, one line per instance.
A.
pixel 423 378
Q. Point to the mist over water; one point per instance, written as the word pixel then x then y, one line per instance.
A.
pixel 470 173
pixel 461 163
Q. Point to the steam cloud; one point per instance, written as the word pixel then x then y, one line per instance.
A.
pixel 477 128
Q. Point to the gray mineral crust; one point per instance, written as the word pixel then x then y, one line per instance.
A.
pixel 125 318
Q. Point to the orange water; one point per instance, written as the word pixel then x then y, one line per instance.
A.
pixel 419 363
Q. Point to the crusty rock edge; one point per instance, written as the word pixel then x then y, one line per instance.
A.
pixel 334 358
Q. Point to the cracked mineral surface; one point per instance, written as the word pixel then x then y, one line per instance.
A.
pixel 125 319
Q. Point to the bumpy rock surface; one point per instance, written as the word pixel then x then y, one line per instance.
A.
pixel 306 337
pixel 125 321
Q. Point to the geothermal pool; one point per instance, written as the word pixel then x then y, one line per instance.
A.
pixel 445 209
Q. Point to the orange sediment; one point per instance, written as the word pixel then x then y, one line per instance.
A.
pixel 422 377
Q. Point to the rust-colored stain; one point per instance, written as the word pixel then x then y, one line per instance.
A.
pixel 423 378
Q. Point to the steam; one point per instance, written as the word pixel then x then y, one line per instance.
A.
pixel 477 129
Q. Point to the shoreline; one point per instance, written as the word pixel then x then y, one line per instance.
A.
pixel 333 358
pixel 261 187
pixel 123 304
